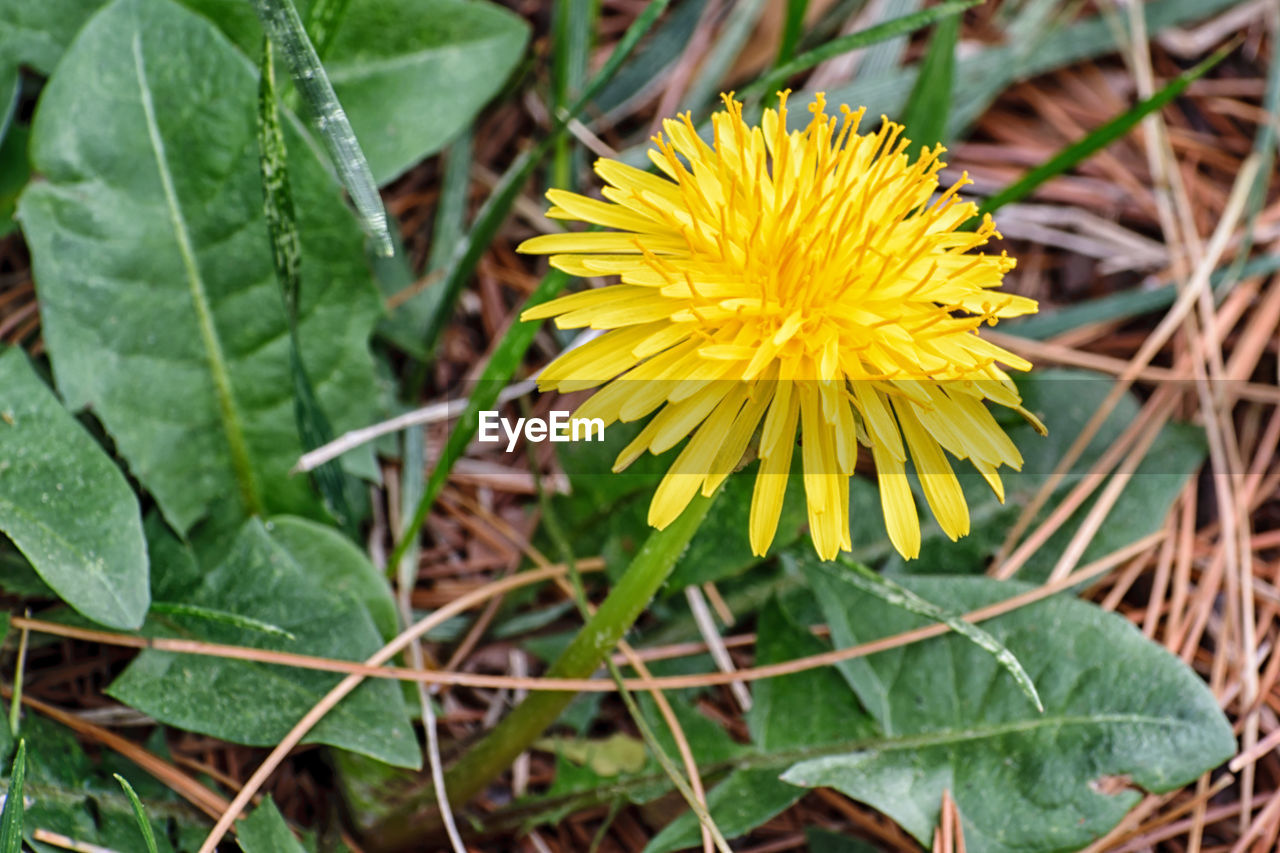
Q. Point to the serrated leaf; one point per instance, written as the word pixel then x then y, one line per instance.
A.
pixel 159 304
pixel 303 592
pixel 66 505
pixel 1118 708
pixel 265 831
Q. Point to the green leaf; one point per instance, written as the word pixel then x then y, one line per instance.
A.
pixel 306 592
pixel 824 576
pixel 65 504
pixel 11 817
pixel 1119 709
pixel 797 712
pixel 925 115
pixel 158 298
pixel 343 568
pixel 410 74
pixel 35 34
pixel 144 825
pixel 413 73
pixel 265 831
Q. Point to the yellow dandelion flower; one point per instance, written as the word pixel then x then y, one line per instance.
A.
pixel 777 284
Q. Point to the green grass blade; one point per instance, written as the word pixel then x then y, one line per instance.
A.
pixel 502 365
pixel 572 24
pixel 929 106
pixel 144 825
pixel 281 22
pixel 498 204
pixel 11 817
pixel 792 29
pixel 404 324
pixel 468 253
pixel 863 38
pixel 1100 138
pixel 641 25
pixel 286 255
pixel 899 596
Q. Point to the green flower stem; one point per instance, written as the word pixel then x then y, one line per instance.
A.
pixel 648 571
pixel 408 824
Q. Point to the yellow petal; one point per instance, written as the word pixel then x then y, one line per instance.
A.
pixel 941 488
pixel 771 479
pixel 896 501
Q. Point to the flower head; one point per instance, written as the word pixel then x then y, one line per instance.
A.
pixel 779 283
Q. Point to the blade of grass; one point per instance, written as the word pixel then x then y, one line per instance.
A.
pixel 19 676
pixel 1101 137
pixel 144 825
pixel 899 596
pixel 286 256
pixel 281 22
pixel 404 324
pixel 496 207
pixel 573 21
pixel 926 112
pixel 880 32
pixel 792 30
pixel 11 818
